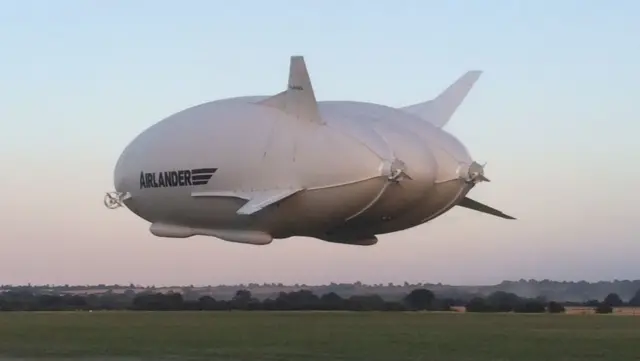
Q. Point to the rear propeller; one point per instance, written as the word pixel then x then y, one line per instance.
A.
pixel 474 174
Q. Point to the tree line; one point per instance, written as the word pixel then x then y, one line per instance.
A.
pixel 579 291
pixel 420 299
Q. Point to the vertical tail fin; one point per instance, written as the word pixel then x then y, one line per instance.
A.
pixel 299 99
pixel 439 110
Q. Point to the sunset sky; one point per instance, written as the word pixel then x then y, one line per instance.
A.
pixel 555 114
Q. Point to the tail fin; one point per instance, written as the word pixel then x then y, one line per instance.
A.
pixel 438 111
pixel 477 206
pixel 299 99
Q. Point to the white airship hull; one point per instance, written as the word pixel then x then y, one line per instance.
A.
pixel 254 169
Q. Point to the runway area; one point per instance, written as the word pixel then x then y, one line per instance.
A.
pixel 290 335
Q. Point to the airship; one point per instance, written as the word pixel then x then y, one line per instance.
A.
pixel 252 169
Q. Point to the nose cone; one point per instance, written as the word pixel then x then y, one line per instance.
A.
pixel 127 170
pixel 119 173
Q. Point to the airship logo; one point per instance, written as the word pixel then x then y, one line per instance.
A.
pixel 176 178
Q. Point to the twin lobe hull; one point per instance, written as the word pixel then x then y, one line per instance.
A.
pixel 252 169
pixel 412 168
pixel 255 150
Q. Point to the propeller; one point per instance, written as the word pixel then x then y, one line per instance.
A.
pixel 113 200
pixel 395 170
pixel 473 173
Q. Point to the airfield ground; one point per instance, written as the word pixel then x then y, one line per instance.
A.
pixel 317 336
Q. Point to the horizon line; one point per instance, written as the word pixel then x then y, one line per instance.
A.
pixel 301 284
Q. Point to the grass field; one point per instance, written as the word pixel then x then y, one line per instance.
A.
pixel 318 336
pixel 574 310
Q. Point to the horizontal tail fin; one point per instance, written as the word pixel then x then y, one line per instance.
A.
pixel 439 110
pixel 477 206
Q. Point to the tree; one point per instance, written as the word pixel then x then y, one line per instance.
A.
pixel 604 308
pixel 635 300
pixel 299 300
pixel 530 306
pixel 241 299
pixel 613 300
pixel 477 304
pixel 332 301
pixel 207 303
pixel 366 303
pixel 502 301
pixel 555 307
pixel 419 299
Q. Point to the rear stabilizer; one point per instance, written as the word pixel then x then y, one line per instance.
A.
pixel 299 99
pixel 477 206
pixel 439 110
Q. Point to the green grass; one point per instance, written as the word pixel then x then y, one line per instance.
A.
pixel 319 336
